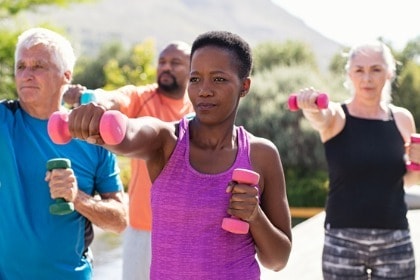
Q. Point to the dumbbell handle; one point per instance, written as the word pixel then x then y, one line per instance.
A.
pixel 321 101
pixel 234 224
pixel 414 166
pixel 112 127
pixel 87 96
pixel 61 206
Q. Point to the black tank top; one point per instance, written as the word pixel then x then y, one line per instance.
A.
pixel 366 168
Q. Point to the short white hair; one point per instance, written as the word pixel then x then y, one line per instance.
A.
pixel 60 47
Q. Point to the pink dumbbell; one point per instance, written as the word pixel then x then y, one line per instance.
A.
pixel 243 176
pixel 413 166
pixel 112 127
pixel 321 101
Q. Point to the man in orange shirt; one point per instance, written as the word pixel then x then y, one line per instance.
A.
pixel 166 100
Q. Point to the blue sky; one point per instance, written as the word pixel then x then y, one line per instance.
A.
pixel 350 22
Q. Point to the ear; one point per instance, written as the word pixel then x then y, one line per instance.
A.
pixel 246 85
pixel 67 76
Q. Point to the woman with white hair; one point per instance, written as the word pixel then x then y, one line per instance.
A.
pixel 365 140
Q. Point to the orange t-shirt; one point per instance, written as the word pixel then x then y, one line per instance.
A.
pixel 145 101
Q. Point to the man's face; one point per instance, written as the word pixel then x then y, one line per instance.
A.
pixel 173 69
pixel 38 78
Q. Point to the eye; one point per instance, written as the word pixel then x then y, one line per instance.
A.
pixel 193 79
pixel 219 79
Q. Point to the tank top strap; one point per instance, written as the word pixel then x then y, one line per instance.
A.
pixel 391 114
pixel 183 127
pixel 244 148
pixel 345 109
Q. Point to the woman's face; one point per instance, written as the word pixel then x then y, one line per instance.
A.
pixel 214 87
pixel 368 73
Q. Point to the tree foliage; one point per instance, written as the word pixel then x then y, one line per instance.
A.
pixel 115 67
pixel 267 55
pixel 8 37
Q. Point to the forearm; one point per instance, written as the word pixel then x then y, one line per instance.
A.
pixel 272 244
pixel 319 119
pixel 111 100
pixel 108 213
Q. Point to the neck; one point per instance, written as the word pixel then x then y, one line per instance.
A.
pixel 212 138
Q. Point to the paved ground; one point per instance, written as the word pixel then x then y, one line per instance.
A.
pixel 304 262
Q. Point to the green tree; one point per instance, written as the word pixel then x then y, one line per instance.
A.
pixel 267 55
pixel 115 67
pixel 406 88
pixel 9 9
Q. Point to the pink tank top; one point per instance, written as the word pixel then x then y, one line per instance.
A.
pixel 188 208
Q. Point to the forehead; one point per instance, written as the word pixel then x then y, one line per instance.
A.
pixel 367 58
pixel 213 55
pixel 173 52
pixel 34 53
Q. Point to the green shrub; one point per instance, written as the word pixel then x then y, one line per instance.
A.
pixel 306 188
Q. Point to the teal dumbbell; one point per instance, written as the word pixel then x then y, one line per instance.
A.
pixel 87 96
pixel 61 206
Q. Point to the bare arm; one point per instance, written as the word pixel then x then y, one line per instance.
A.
pixel 328 122
pixel 111 100
pixel 406 125
pixel 107 211
pixel 269 218
pixel 147 138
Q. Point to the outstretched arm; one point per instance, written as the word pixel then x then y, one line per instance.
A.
pixel 147 138
pixel 328 121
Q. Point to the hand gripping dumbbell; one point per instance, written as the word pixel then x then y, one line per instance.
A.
pixel 234 224
pixel 321 101
pixel 61 206
pixel 112 127
pixel 414 166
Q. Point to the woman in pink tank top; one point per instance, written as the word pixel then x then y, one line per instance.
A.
pixel 191 164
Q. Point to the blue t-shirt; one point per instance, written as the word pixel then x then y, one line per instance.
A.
pixel 35 244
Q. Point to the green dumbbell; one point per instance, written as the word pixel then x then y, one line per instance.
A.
pixel 61 206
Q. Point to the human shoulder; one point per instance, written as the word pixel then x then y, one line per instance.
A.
pixel 12 105
pixel 262 148
pixel 400 111
pixel 404 121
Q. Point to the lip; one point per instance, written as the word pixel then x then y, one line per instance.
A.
pixel 29 86
pixel 203 106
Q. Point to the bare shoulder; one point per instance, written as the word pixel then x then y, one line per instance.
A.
pixel 401 112
pixel 264 153
pixel 404 120
pixel 262 145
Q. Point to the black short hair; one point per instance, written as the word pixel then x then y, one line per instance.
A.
pixel 230 42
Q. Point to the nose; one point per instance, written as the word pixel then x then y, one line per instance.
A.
pixel 366 76
pixel 205 92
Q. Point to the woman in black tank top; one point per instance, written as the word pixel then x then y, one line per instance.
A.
pixel 366 229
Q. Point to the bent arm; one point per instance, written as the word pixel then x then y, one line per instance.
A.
pixel 108 211
pixel 406 126
pixel 271 226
